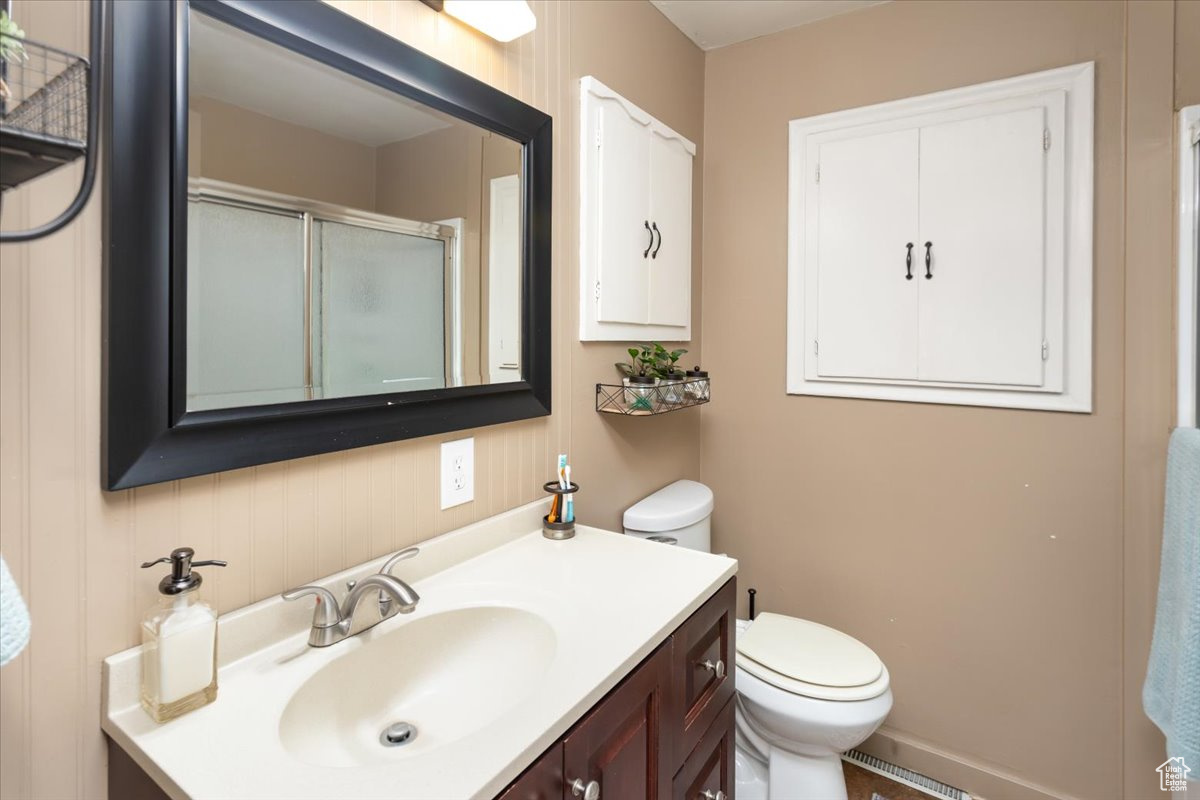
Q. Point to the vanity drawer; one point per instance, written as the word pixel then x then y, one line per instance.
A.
pixel 709 768
pixel 702 666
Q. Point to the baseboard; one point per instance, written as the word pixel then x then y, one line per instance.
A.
pixel 979 779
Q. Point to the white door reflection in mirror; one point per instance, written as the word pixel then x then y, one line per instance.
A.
pixel 504 280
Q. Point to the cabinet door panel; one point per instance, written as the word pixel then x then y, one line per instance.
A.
pixel 983 206
pixel 670 293
pixel 618 743
pixel 867 213
pixel 542 781
pixel 623 214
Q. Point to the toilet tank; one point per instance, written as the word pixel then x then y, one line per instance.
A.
pixel 681 511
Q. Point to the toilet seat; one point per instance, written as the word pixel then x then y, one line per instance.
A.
pixel 809 659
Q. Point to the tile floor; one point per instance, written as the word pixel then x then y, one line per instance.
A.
pixel 863 784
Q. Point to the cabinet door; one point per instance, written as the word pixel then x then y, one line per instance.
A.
pixel 709 768
pixel 866 211
pixel 670 292
pixel 542 781
pixel 618 743
pixel 983 209
pixel 623 214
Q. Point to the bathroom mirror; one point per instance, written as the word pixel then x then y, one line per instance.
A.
pixel 317 238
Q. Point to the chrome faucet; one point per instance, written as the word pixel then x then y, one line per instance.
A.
pixel 331 624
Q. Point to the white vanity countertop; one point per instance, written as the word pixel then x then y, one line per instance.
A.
pixel 609 599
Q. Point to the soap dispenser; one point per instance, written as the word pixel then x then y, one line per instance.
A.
pixel 179 642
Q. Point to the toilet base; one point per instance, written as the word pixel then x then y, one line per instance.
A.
pixel 750 776
pixel 790 776
pixel 805 777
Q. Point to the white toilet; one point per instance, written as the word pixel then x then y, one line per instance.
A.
pixel 806 693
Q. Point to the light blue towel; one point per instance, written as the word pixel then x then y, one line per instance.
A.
pixel 14 617
pixel 1171 695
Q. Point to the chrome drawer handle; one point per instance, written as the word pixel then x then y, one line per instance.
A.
pixel 707 794
pixel 588 791
pixel 717 669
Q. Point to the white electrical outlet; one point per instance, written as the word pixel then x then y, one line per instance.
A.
pixel 458 472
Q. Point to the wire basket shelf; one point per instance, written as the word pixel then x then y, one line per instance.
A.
pixel 647 400
pixel 43 108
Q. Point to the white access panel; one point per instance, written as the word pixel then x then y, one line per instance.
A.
pixel 866 214
pixel 1004 195
pixel 983 214
pixel 670 265
pixel 623 229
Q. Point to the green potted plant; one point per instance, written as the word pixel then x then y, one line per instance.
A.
pixel 12 49
pixel 669 376
pixel 640 378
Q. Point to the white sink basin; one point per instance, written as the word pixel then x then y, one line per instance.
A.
pixel 448 674
pixel 515 638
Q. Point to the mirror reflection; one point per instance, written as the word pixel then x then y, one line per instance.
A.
pixel 342 240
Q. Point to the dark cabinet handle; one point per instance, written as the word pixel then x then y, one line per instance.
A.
pixel 928 260
pixel 646 252
pixel 654 225
pixel 908 262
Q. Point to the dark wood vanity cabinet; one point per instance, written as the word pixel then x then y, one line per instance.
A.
pixel 664 733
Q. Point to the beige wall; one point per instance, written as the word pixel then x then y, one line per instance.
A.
pixel 1187 53
pixel 279 524
pixel 241 146
pixel 618 460
pixel 1001 562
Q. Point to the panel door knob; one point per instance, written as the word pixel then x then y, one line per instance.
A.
pixel 588 791
pixel 708 794
pixel 717 669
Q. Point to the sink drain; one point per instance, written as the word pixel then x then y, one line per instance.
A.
pixel 398 734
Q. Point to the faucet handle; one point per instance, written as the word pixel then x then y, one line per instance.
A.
pixel 385 602
pixel 326 612
pixel 391 563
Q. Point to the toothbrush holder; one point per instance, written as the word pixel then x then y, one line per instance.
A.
pixel 559 530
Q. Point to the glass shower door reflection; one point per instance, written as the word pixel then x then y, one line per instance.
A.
pixel 379 311
pixel 245 306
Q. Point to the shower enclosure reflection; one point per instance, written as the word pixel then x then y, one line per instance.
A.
pixel 342 240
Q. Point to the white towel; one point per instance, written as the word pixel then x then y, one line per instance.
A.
pixel 1171 695
pixel 14 617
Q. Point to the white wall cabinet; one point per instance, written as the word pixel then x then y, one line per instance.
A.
pixel 635 222
pixel 940 247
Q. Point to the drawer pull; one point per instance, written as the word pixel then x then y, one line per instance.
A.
pixel 590 790
pixel 707 794
pixel 717 669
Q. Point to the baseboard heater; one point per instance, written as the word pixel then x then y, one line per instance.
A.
pixel 907 777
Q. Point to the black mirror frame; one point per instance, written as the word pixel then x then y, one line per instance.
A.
pixel 148 435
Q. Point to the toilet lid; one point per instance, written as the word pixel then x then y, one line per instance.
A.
pixel 809 652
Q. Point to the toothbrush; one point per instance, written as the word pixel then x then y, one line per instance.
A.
pixel 570 515
pixel 556 509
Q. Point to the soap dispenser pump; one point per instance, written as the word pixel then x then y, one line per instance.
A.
pixel 179 641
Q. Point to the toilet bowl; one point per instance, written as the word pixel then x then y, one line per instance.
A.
pixel 805 692
pixel 789 742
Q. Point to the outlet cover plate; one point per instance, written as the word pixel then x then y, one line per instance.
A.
pixel 458 472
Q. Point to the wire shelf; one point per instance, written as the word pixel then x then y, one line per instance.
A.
pixel 43 109
pixel 646 400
